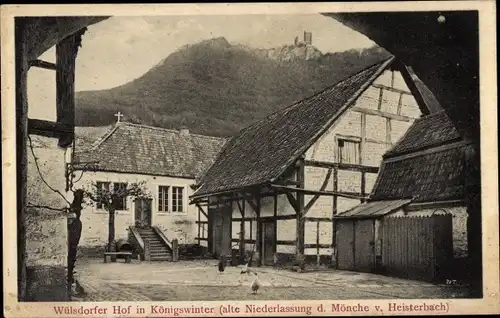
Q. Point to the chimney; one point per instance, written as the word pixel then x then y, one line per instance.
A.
pixel 184 131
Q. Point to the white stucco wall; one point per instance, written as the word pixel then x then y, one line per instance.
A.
pixel 179 225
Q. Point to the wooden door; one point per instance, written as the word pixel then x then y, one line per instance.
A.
pixel 222 231
pixel 268 242
pixel 364 245
pixel 345 244
pixel 143 209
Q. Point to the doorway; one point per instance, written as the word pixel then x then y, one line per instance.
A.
pixel 143 209
pixel 268 243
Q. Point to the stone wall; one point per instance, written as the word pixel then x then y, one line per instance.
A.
pixel 46 229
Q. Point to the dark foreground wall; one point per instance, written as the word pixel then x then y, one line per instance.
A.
pixel 46 283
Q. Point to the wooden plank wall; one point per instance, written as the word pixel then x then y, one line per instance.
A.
pixel 417 247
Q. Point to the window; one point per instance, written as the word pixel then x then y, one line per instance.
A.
pixel 348 151
pixel 163 199
pixel 102 188
pixel 120 196
pixel 177 199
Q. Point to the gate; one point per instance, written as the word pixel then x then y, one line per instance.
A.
pixel 417 247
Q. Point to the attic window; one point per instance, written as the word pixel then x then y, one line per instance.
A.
pixel 348 151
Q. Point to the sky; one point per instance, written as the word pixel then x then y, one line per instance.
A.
pixel 120 49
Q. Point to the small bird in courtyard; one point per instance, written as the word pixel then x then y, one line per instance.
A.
pixel 221 264
pixel 255 284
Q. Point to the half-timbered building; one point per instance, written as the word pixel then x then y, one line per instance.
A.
pixel 415 223
pixel 277 184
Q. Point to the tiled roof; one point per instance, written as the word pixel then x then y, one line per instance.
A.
pixel 431 175
pixel 139 149
pixel 85 137
pixel 373 209
pixel 260 153
pixel 428 131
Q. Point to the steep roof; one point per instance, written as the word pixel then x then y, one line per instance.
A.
pixel 140 149
pixel 427 164
pixel 261 152
pixel 427 131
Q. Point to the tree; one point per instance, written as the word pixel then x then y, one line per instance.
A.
pixel 110 197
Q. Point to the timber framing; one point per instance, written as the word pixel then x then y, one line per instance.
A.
pixel 341 166
pixel 48 128
pixel 43 64
pixel 381 114
pixel 349 195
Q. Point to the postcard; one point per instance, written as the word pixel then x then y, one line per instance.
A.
pixel 250 159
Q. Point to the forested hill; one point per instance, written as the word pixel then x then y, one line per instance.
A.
pixel 216 88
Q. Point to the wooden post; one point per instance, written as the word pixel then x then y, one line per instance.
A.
pixel 400 103
pixel 66 52
pixel 317 244
pixel 147 250
pixel 275 214
pixel 300 232
pixel 175 250
pixel 199 226
pixel 380 96
pixel 388 132
pixel 334 212
pixel 242 231
pixel 259 232
pixel 21 67
pixel 363 139
pixel 363 186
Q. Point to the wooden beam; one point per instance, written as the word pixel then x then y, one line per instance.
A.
pixel 48 128
pixel 380 96
pixel 363 138
pixel 43 64
pixel 21 84
pixel 363 187
pixel 66 51
pixel 242 229
pixel 382 114
pixel 334 213
pixel 316 196
pixel 293 202
pixel 240 207
pixel 341 166
pixel 317 244
pixel 201 210
pixel 400 104
pixel 199 224
pixel 388 131
pixel 287 190
pixel 259 230
pixel 391 89
pixel 278 217
pixel 316 219
pixel 300 233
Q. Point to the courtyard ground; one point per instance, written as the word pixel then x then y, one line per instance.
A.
pixel 200 280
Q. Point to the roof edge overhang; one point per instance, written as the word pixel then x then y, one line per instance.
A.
pixel 384 65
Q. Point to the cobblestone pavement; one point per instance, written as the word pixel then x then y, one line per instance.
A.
pixel 200 280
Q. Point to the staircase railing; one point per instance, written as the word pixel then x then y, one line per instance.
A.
pixel 136 240
pixel 163 237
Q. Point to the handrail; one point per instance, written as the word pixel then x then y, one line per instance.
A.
pixel 137 238
pixel 163 237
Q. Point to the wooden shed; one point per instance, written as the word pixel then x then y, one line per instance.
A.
pixel 382 236
pixel 358 235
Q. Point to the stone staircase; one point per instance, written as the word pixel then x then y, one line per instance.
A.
pixel 160 251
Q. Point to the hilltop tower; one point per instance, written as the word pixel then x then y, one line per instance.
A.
pixel 308 38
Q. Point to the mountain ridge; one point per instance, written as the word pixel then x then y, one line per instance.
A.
pixel 216 88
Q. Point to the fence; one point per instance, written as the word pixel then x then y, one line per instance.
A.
pixel 417 247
